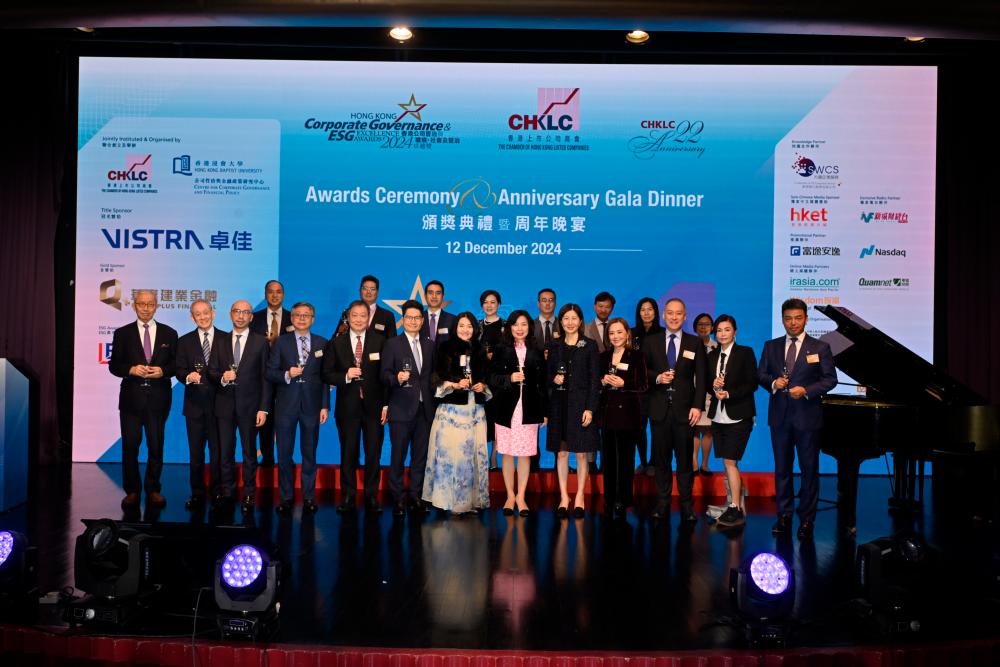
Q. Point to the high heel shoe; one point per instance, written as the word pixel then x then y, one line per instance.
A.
pixel 562 512
pixel 579 512
pixel 523 511
pixel 508 511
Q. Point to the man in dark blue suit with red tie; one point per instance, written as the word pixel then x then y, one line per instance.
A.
pixel 411 405
pixel 302 399
pixel 797 370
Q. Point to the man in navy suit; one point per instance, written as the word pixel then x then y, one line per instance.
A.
pixel 382 321
pixel 238 368
pixel 194 349
pixel 302 399
pixel 411 405
pixel 438 325
pixel 270 321
pixel 142 355
pixel 797 370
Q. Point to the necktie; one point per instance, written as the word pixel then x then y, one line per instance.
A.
pixel 357 352
pixel 671 352
pixel 434 328
pixel 274 326
pixel 237 351
pixel 303 350
pixel 205 348
pixel 147 344
pixel 790 355
pixel 416 354
pixel 548 331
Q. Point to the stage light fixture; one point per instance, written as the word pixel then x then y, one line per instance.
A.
pixel 246 592
pixel 763 591
pixel 894 578
pixel 914 39
pixel 18 592
pixel 401 33
pixel 116 566
pixel 637 37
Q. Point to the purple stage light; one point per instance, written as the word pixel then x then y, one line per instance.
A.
pixel 769 573
pixel 6 545
pixel 241 566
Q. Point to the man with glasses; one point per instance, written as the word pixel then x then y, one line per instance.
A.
pixel 407 365
pixel 237 366
pixel 546 326
pixel 302 399
pixel 142 355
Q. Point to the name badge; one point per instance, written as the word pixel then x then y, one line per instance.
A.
pixel 289 328
pixel 812 358
pixel 443 330
pixel 688 354
pixel 318 354
pixel 380 327
pixel 621 366
pixel 462 360
pixel 373 356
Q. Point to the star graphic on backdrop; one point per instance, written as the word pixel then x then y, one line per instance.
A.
pixel 416 293
pixel 412 107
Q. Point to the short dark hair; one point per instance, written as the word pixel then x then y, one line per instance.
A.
pixel 412 303
pixel 724 318
pixel 547 289
pixel 795 304
pixel 370 279
pixel 508 336
pixel 434 282
pixel 304 304
pixel 656 313
pixel 568 307
pixel 356 303
pixel 274 280
pixel 604 296
pixel 489 292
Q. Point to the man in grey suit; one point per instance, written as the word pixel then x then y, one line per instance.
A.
pixel 597 329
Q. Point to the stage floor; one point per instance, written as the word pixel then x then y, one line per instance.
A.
pixel 538 583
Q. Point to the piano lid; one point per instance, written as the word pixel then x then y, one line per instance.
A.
pixel 889 368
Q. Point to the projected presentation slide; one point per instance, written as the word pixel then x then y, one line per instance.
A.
pixel 731 187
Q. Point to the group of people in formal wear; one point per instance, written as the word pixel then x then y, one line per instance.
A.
pixel 447 385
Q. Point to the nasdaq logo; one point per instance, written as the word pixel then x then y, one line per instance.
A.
pixel 122 238
pixel 881 252
pixel 870 250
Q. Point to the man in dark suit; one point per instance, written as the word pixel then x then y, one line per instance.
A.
pixel 302 399
pixel 271 322
pixel 142 354
pixel 797 370
pixel 194 350
pixel 411 404
pixel 238 367
pixel 675 362
pixel 352 364
pixel 382 321
pixel 438 324
pixel 546 326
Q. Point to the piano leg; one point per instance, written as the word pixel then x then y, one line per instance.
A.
pixel 905 481
pixel 847 492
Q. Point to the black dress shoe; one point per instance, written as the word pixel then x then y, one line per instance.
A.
pixel 661 511
pixel 373 505
pixel 311 506
pixel 399 509
pixel 194 502
pixel 284 507
pixel 579 512
pixel 782 526
pixel 562 512
pixel 619 510
pixel 805 530
pixel 248 501
pixel 222 501
pixel 687 516
pixel 345 505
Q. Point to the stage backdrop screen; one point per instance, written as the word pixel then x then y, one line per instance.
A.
pixel 732 187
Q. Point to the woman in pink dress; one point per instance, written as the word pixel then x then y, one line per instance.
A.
pixel 517 379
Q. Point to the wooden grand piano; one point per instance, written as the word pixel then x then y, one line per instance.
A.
pixel 911 409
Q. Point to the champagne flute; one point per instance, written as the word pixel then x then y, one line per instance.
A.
pixel 301 379
pixel 407 368
pixel 199 368
pixel 613 370
pixel 561 370
pixel 520 369
pixel 722 379
pixel 145 380
pixel 232 367
pixel 785 374
pixel 467 371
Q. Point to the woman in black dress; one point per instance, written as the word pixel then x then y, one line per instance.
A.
pixel 624 381
pixel 490 335
pixel 647 321
pixel 575 379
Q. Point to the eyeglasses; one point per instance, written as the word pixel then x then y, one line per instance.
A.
pixel 237 311
pixel 306 315
pixel 146 304
pixel 413 318
pixel 369 289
